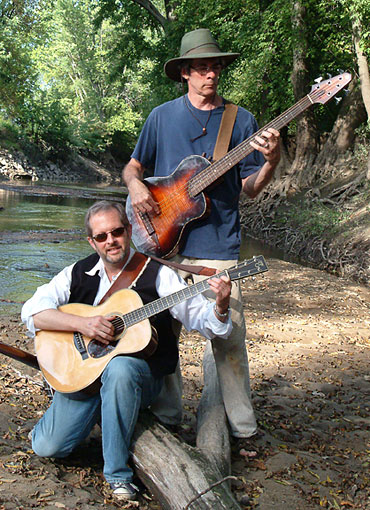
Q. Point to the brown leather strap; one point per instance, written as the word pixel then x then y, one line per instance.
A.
pixel 202 270
pixel 125 279
pixel 137 263
pixel 225 131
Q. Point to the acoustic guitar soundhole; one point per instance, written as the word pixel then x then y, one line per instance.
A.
pixel 97 349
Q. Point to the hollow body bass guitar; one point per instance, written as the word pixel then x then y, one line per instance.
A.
pixel 71 362
pixel 180 195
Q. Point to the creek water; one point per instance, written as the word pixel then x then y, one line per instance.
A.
pixel 28 259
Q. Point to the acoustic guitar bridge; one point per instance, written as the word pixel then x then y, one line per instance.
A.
pixel 80 344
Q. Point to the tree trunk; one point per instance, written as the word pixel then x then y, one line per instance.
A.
pixel 306 150
pixel 154 12
pixel 352 114
pixel 179 476
pixel 363 69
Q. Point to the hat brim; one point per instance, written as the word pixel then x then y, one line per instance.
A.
pixel 172 67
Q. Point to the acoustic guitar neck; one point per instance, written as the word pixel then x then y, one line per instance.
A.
pixel 20 355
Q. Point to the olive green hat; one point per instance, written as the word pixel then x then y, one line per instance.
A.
pixel 196 44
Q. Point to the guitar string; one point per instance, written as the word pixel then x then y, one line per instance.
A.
pixel 238 151
pixel 195 180
pixel 165 302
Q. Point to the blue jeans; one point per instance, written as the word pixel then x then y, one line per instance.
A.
pixel 127 387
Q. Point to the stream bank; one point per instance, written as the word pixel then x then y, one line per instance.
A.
pixel 326 225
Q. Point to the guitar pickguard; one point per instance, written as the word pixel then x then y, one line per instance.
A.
pixel 97 349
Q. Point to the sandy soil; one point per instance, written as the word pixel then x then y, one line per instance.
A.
pixel 308 342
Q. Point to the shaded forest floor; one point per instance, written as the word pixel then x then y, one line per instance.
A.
pixel 308 342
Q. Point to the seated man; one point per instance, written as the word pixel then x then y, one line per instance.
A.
pixel 128 384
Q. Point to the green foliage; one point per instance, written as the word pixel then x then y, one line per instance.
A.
pixel 79 70
pixel 315 219
pixel 9 134
pixel 84 74
pixel 17 76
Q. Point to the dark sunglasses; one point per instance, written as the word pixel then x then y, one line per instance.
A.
pixel 116 232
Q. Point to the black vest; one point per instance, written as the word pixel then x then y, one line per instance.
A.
pixel 85 287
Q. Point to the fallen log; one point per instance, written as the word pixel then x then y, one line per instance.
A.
pixel 212 426
pixel 179 476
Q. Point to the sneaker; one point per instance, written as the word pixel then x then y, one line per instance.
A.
pixel 124 490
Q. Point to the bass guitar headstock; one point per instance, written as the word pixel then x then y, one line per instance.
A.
pixel 325 90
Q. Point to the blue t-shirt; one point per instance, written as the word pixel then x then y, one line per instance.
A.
pixel 165 141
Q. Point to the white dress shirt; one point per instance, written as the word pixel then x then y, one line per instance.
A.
pixel 194 313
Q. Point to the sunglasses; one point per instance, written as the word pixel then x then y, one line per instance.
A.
pixel 116 232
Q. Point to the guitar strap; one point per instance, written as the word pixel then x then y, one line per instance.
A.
pixel 221 148
pixel 202 270
pixel 130 273
pixel 225 131
pixel 137 264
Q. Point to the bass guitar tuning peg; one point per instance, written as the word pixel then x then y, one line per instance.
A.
pixel 318 80
pixel 338 99
pixel 346 91
pixel 330 76
pixel 340 71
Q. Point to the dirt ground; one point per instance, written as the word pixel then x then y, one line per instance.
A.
pixel 308 342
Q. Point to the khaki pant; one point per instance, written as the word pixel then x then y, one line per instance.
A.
pixel 231 363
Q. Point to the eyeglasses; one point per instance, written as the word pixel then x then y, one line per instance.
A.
pixel 116 232
pixel 203 69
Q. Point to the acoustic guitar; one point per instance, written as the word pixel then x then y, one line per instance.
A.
pixel 71 361
pixel 180 195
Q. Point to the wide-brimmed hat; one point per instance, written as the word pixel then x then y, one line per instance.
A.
pixel 197 44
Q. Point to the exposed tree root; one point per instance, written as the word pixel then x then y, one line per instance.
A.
pixel 346 256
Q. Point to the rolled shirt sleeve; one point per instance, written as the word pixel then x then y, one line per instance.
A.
pixel 48 296
pixel 194 313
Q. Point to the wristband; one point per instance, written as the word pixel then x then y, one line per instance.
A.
pixel 222 315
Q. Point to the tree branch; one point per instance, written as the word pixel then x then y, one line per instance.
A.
pixel 153 11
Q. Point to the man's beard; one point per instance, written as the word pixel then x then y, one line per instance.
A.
pixel 115 259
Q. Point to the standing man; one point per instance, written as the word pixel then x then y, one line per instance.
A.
pixel 128 384
pixel 183 127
